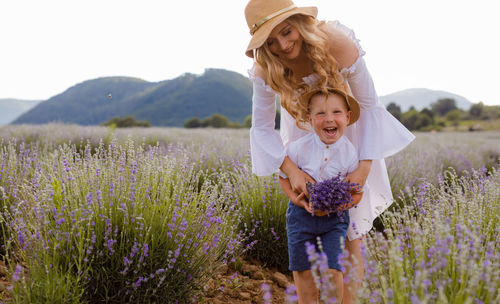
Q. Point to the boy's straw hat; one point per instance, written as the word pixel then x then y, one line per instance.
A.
pixel 263 15
pixel 351 101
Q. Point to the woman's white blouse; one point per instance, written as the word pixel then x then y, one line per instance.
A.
pixel 376 135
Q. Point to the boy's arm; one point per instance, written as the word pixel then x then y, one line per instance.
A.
pixel 298 199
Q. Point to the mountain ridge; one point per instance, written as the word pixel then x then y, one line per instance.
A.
pixel 11 108
pixel 172 102
pixel 164 103
pixel 421 98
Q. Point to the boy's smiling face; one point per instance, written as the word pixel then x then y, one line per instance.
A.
pixel 328 116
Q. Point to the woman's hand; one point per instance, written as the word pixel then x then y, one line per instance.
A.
pixel 360 175
pixel 297 177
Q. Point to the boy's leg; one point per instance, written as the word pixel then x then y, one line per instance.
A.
pixel 306 289
pixel 338 282
pixel 355 260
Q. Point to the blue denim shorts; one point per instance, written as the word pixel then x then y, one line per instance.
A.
pixel 302 227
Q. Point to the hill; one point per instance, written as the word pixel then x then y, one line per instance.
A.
pixel 10 108
pixel 421 98
pixel 165 103
pixel 172 102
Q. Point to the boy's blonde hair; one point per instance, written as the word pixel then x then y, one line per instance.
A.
pixel 317 49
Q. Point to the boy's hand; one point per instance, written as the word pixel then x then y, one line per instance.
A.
pixel 301 201
pixel 315 212
pixel 319 212
pixel 356 198
pixel 299 180
pixel 309 207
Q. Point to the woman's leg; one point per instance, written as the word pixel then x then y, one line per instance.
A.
pixel 306 289
pixel 355 260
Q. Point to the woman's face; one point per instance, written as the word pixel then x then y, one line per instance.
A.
pixel 285 41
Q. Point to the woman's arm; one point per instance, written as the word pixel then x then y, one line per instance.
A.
pixel 356 198
pixel 267 150
pixel 378 133
pixel 266 147
pixel 347 52
pixel 360 174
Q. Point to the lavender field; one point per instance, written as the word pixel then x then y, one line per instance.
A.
pixel 101 215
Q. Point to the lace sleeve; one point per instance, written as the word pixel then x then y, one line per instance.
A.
pixel 266 147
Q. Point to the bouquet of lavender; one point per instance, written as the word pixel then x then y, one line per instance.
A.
pixel 332 195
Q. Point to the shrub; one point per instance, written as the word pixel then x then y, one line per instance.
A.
pixel 126 122
pixel 264 206
pixel 121 225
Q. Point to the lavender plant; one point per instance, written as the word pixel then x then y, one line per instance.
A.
pixel 441 248
pixel 431 154
pixel 319 269
pixel 121 224
pixel 97 214
pixel 263 208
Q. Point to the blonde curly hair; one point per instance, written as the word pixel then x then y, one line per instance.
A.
pixel 281 79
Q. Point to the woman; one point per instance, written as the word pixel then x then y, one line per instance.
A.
pixel 293 51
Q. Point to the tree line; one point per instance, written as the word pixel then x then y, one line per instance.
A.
pixel 220 121
pixel 444 112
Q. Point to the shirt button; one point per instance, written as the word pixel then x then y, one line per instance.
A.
pixel 326 159
pixel 327 147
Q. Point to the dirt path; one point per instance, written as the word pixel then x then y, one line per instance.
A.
pixel 243 285
pixel 4 283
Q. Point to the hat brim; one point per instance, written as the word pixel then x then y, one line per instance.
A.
pixel 260 36
pixel 353 103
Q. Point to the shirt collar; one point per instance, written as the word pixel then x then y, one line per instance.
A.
pixel 324 146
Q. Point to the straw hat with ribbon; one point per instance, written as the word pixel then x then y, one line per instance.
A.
pixel 263 15
pixel 352 103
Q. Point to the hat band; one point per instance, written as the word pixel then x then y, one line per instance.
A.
pixel 256 26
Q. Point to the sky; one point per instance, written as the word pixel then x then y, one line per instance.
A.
pixel 48 46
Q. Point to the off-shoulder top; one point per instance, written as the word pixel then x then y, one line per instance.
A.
pixel 376 135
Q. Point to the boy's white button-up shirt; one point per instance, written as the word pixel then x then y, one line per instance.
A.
pixel 323 161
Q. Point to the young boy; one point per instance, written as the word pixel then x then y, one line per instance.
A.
pixel 323 154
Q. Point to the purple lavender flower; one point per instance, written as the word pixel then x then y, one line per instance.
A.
pixel 291 294
pixel 267 293
pixel 17 273
pixel 332 195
